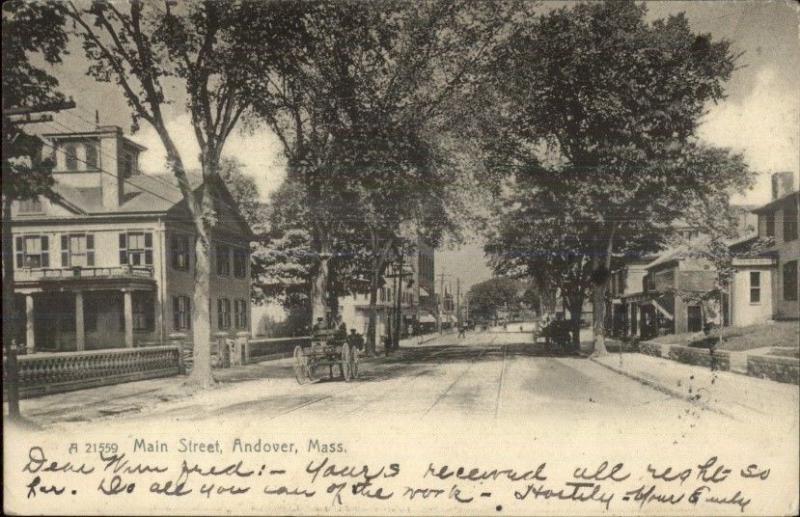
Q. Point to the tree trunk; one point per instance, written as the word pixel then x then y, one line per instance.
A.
pixel 9 320
pixel 201 375
pixel 319 285
pixel 378 265
pixel 601 274
pixel 575 304
pixel 598 315
pixel 373 313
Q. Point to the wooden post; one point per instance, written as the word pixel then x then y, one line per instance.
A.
pixel 30 343
pixel 128 313
pixel 80 334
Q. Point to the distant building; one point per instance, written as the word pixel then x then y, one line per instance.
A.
pixel 108 261
pixel 651 295
pixel 417 304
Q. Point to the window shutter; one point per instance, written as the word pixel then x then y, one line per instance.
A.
pixel 188 313
pixel 45 251
pixel 220 323
pixel 20 253
pixel 123 253
pixel 64 251
pixel 176 313
pixel 90 250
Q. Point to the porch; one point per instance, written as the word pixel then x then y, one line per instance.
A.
pixel 66 310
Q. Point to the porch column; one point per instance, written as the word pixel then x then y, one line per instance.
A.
pixel 80 334
pixel 128 312
pixel 29 337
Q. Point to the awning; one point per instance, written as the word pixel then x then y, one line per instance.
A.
pixel 427 318
pixel 423 292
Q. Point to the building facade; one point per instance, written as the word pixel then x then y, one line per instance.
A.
pixel 108 260
pixel 417 298
pixel 778 220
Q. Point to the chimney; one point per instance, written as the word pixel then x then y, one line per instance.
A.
pixel 782 184
pixel 110 180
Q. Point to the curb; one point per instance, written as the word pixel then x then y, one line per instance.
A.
pixel 661 388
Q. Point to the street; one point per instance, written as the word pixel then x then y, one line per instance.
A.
pixel 487 378
pixel 490 400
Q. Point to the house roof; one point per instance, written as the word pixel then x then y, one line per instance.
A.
pixel 142 193
pixel 774 203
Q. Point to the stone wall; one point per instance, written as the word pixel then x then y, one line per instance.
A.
pixel 648 348
pixel 776 368
pixel 700 357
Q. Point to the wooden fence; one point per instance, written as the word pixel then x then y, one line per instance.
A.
pixel 42 374
pixel 270 348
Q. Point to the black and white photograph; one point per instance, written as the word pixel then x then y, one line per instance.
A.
pixel 401 257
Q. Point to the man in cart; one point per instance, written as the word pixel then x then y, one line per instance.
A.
pixel 355 340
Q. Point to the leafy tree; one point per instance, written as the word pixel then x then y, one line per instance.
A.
pixel 601 110
pixel 351 107
pixel 145 47
pixel 29 29
pixel 488 297
pixel 244 191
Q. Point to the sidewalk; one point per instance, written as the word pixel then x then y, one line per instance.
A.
pixel 735 395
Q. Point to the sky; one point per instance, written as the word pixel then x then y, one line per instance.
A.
pixel 760 117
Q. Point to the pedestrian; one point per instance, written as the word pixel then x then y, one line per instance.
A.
pixel 462 331
pixel 355 340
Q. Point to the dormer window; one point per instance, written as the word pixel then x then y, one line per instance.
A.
pixel 91 156
pixel 71 157
pixel 128 165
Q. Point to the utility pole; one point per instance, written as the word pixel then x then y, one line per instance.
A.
pixel 10 117
pixel 399 274
pixel 458 302
pixel 440 302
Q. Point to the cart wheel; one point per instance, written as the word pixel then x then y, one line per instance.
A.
pixel 346 361
pixel 354 356
pixel 300 365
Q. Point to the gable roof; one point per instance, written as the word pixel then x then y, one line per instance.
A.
pixel 776 202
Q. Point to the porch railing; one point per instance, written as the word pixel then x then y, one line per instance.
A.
pixel 41 374
pixel 83 272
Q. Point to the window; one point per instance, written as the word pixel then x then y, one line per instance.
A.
pixel 789 223
pixel 240 313
pixel 755 287
pixel 77 250
pixel 126 167
pixel 91 155
pixel 790 281
pixel 30 206
pixel 181 313
pixel 143 316
pixel 136 248
pixel 71 157
pixel 223 313
pixel 180 252
pixel 770 224
pixel 239 263
pixel 91 306
pixel 33 251
pixel 223 260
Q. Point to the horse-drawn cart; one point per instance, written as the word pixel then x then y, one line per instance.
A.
pixel 327 349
